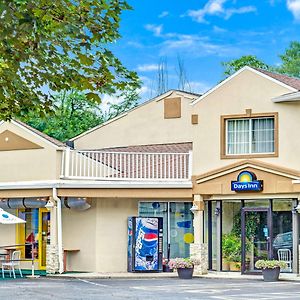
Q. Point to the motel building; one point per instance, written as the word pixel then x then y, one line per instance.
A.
pixel 222 169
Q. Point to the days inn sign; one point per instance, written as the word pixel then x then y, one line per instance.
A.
pixel 247 182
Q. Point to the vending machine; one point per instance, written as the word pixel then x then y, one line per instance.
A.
pixel 145 244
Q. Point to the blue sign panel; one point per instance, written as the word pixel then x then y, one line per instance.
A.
pixel 246 181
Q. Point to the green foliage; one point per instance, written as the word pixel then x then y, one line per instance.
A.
pixel 50 46
pixel 231 247
pixel 251 224
pixel 247 60
pixel 291 60
pixel 73 114
pixel 270 264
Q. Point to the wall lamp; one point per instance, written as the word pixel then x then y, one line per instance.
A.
pixel 49 205
pixel 194 208
pixel 217 211
pixel 296 209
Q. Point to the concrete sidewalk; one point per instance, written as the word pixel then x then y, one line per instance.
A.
pixel 211 275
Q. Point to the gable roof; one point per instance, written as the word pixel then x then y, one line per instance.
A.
pixel 255 164
pixel 283 80
pixel 154 148
pixel 40 134
pixel 192 96
pixel 288 80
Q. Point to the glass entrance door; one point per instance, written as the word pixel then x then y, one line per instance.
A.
pixel 256 237
pixel 44 236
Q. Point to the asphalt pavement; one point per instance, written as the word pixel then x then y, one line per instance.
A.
pixel 156 289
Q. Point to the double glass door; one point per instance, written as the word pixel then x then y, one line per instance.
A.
pixel 256 237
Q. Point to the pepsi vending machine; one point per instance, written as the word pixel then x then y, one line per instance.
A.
pixel 145 244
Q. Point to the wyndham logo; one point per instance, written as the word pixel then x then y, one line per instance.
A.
pixel 247 181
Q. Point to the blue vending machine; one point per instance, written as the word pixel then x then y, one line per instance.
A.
pixel 145 244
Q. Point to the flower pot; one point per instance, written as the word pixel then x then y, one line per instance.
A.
pixel 166 268
pixel 225 266
pixel 235 266
pixel 270 275
pixel 185 273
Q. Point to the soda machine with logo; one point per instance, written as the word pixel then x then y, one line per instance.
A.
pixel 145 244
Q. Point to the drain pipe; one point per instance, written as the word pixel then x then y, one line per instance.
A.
pixel 59 231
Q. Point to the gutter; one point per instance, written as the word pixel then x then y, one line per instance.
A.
pixel 291 97
pixel 93 184
pixel 59 231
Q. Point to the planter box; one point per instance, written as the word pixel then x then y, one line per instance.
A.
pixel 185 273
pixel 271 274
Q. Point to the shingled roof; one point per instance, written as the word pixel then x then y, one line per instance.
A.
pixel 41 134
pixel 288 80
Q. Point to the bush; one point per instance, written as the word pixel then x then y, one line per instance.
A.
pixel 183 263
pixel 270 264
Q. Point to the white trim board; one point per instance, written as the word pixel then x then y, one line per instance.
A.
pixel 237 73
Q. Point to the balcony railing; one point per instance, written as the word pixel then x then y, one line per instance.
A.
pixel 101 165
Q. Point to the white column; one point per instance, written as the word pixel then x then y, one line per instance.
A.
pixel 198 248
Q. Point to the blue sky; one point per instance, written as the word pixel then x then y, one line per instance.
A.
pixel 203 34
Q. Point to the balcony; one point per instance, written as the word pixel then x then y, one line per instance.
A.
pixel 126 166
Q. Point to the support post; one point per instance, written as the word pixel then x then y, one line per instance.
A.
pixel 198 248
pixel 295 217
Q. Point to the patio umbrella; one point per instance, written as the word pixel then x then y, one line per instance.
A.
pixel 7 218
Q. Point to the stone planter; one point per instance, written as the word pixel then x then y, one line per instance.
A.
pixel 225 266
pixel 235 266
pixel 185 273
pixel 270 275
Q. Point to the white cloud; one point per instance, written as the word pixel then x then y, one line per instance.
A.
pixel 197 46
pixel 156 29
pixel 163 14
pixel 147 67
pixel 294 7
pixel 218 29
pixel 241 10
pixel 216 8
pixel 108 100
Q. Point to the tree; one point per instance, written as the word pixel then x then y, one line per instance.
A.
pixel 247 60
pixel 73 114
pixel 50 46
pixel 130 100
pixel 291 60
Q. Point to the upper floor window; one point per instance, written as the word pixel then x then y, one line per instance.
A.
pixel 249 136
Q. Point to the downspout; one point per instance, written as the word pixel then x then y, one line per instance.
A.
pixel 59 231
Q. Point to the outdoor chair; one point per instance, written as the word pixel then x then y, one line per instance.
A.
pixel 12 264
pixel 285 255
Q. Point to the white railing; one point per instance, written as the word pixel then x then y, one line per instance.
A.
pixel 101 165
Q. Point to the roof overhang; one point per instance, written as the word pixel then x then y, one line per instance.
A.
pixel 86 184
pixel 291 97
pixel 291 174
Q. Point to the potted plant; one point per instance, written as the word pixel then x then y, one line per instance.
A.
pixel 184 266
pixel 270 268
pixel 231 249
pixel 165 263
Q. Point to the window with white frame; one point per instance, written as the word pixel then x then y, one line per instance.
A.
pixel 250 136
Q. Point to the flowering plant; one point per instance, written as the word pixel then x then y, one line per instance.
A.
pixel 183 263
pixel 270 264
pixel 165 261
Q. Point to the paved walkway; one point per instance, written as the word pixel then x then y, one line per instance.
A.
pixel 212 274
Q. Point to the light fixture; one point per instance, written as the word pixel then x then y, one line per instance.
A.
pixel 49 205
pixel 6 139
pixel 194 208
pixel 217 211
pixel 296 209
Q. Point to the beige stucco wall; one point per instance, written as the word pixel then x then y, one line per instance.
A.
pixel 142 126
pixel 79 233
pixel 111 233
pixel 100 233
pixel 30 164
pixel 245 91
